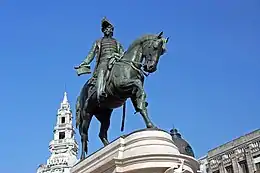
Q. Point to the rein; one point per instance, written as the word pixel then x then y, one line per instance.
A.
pixel 131 63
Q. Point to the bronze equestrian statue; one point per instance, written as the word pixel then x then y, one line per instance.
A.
pixel 124 78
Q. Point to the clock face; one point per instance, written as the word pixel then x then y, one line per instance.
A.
pixel 188 149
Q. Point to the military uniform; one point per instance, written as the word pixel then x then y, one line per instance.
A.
pixel 104 49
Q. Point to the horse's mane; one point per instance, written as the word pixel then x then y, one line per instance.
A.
pixel 142 39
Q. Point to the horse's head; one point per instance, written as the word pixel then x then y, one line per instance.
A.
pixel 152 50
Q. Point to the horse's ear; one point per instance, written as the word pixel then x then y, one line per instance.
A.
pixel 160 35
pixel 167 39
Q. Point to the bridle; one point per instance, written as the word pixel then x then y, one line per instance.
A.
pixel 132 64
pixel 138 66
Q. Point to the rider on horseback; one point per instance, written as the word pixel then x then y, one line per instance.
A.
pixel 106 50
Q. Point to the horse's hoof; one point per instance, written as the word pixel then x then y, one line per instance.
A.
pixel 150 125
pixel 106 143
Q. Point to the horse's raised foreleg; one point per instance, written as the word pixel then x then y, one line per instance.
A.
pixel 142 110
pixel 139 101
pixel 104 119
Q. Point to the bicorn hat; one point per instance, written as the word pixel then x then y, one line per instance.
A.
pixel 105 23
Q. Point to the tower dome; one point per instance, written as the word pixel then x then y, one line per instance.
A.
pixel 183 145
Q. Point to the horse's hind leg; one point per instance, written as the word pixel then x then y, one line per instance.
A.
pixel 84 134
pixel 83 141
pixel 104 119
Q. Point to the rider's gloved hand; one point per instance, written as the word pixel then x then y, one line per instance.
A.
pixel 84 64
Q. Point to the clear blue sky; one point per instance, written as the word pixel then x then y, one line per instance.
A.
pixel 207 84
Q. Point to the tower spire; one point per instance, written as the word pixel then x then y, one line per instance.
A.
pixel 65 98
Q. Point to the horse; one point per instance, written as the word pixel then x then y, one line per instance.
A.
pixel 125 81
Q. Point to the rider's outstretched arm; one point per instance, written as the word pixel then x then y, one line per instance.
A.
pixel 89 58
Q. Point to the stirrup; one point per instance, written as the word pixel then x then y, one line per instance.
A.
pixel 101 97
pixel 103 94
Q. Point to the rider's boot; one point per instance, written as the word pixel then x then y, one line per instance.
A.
pixel 101 94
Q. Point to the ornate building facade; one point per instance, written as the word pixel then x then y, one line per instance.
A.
pixel 63 147
pixel 241 155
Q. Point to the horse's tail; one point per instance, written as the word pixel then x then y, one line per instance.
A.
pixel 80 103
pixel 78 111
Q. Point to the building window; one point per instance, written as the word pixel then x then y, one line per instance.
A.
pixel 61 135
pixel 62 120
pixel 244 166
pixel 257 165
pixel 229 169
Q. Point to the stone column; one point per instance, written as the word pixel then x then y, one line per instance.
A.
pixel 209 170
pixel 249 160
pixel 221 168
pixel 235 164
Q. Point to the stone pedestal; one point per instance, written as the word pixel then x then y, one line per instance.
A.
pixel 144 151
